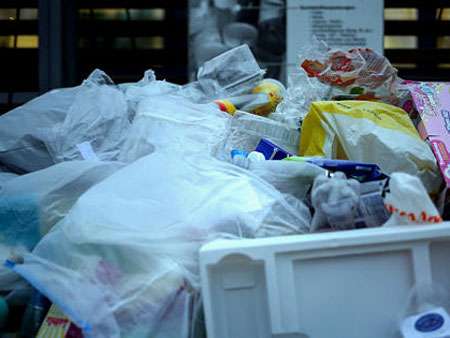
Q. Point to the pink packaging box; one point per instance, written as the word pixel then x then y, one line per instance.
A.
pixel 432 102
pixel 430 112
pixel 432 119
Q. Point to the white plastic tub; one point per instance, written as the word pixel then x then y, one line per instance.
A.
pixel 349 284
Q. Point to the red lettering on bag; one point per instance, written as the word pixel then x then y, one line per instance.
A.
pixel 412 217
pixel 423 214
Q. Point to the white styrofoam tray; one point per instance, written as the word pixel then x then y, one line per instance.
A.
pixel 349 284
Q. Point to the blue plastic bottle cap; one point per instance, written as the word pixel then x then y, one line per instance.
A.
pixel 4 311
pixel 238 152
pixel 429 322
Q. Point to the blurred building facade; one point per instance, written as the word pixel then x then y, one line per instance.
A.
pixel 52 43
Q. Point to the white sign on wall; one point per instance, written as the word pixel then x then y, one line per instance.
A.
pixel 342 24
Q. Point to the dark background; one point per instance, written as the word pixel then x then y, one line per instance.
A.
pixel 48 44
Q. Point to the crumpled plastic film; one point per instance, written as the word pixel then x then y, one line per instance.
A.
pixel 335 201
pixel 148 86
pixel 97 119
pixel 301 92
pixel 130 244
pixel 360 73
pixel 346 69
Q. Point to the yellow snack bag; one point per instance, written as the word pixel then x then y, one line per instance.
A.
pixel 369 132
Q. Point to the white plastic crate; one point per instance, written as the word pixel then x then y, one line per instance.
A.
pixel 349 284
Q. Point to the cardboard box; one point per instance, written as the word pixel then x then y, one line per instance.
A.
pixel 432 102
pixel 432 119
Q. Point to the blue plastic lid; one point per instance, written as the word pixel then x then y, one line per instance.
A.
pixel 429 322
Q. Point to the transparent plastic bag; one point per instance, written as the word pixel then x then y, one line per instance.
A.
pixel 176 123
pixel 5 177
pixel 232 73
pixel 30 205
pixel 359 73
pixel 22 144
pixel 148 86
pixel 130 244
pixel 97 119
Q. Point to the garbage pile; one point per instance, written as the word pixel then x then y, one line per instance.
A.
pixel 108 191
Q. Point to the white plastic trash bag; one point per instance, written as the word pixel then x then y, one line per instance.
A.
pixel 129 246
pixel 147 87
pixel 95 125
pixel 175 122
pixel 5 177
pixel 409 202
pixel 22 146
pixel 31 204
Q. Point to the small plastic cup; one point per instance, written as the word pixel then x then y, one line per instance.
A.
pixel 239 33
